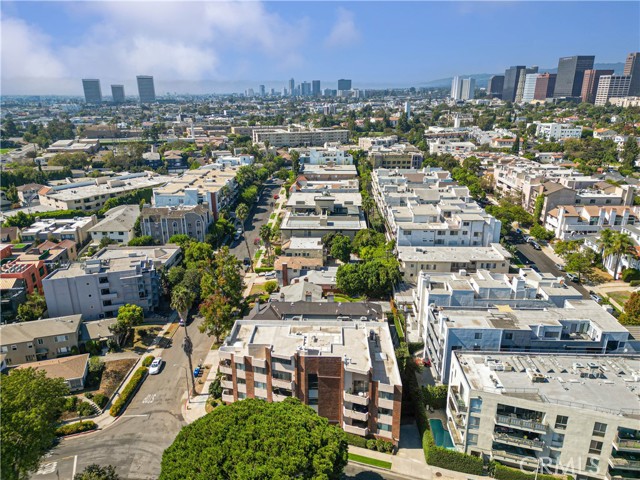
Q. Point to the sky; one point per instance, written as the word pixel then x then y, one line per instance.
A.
pixel 218 47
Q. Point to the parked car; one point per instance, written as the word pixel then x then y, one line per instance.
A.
pixel 237 236
pixel 535 246
pixel 276 196
pixel 573 277
pixel 560 267
pixel 246 261
pixel 155 366
pixel 595 297
pixel 270 275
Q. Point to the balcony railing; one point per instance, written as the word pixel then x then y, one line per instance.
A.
pixel 624 463
pixel 226 383
pixel 227 397
pixel 521 423
pixel 610 476
pixel 521 460
pixel 362 416
pixel 288 384
pixel 626 444
pixel 360 399
pixel 362 431
pixel 518 441
pixel 278 398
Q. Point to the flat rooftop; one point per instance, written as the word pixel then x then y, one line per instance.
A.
pixel 104 186
pixel 203 179
pixel 495 252
pixel 588 382
pixel 350 341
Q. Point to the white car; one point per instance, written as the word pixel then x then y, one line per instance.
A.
pixel 270 275
pixel 155 366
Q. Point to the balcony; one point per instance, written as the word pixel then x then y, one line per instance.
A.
pixel 362 416
pixel 260 393
pixel 457 401
pixel 361 398
pixel 618 476
pixel 288 384
pixel 362 431
pixel 385 434
pixel 388 419
pixel 624 464
pixel 537 445
pixel 384 403
pixel 514 458
pixel 521 423
pixel 227 396
pixel 225 369
pixel 109 296
pixel 259 377
pixel 278 398
pixel 226 384
pixel 626 444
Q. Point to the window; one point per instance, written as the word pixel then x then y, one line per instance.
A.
pixel 281 361
pixel 595 447
pixel 242 396
pixel 472 439
pixel 384 427
pixel 474 422
pixel 240 366
pixel 262 371
pixel 241 381
pixel 63 350
pixel 29 345
pixel 508 336
pixel 260 385
pixel 561 422
pixel 477 336
pixel 4 349
pixel 286 376
pixel 61 338
pixel 106 303
pixel 313 401
pixel 385 411
pixel 599 429
pixel 40 341
pixel 386 396
pixel 312 381
pixel 592 464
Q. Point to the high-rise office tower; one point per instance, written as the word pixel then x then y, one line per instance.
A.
pixel 632 69
pixel 612 86
pixel 571 74
pixel 495 86
pixel 521 81
pixel 263 91
pixel 545 85
pixel 292 87
pixel 407 109
pixel 305 89
pixel 344 84
pixel 468 89
pixel 511 79
pixel 315 88
pixel 92 91
pixel 117 92
pixel 590 84
pixel 146 90
pixel 456 88
pixel 528 94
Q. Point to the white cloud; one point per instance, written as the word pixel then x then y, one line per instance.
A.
pixel 344 31
pixel 172 40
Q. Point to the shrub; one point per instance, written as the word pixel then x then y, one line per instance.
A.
pixel 634 283
pixel 371 444
pixel 629 274
pixel 95 365
pixel 264 269
pixel 128 391
pixel 501 472
pixel 92 347
pixel 73 428
pixel 450 459
pixel 89 395
pixel 435 395
pixel 147 361
pixel 278 250
pixel 415 347
pixel 84 409
pixel 74 350
pixel 384 446
pixel 356 440
pixel 70 403
pixel 100 399
pixel 271 286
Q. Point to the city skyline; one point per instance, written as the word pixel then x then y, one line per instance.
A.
pixel 49 46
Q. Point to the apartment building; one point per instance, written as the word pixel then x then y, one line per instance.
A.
pixel 346 371
pixel 303 247
pixel 414 260
pixel 437 147
pixel 87 146
pixel 569 222
pixel 612 86
pixel 300 137
pixel 327 155
pixel 579 326
pixel 77 229
pixel 117 225
pixel 31 272
pixel 162 223
pixel 92 194
pixel 568 413
pixel 366 143
pixel 25 342
pixel 628 260
pixel 399 155
pixel 13 293
pixel 558 131
pixel 98 287
pixel 213 185
pixel 329 172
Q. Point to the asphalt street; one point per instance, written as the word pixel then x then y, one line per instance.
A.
pixel 355 471
pixel 258 216
pixel 135 442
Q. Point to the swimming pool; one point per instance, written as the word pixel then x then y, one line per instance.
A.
pixel 440 435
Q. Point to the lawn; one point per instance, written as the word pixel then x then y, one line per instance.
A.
pixel 341 298
pixel 619 296
pixel 113 375
pixel 369 461
pixel 272 216
pixel 5 150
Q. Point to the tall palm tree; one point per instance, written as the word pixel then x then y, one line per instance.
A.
pixel 616 244
pixel 182 300
pixel 242 212
pixel 265 235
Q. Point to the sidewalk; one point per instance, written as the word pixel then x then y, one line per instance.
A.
pixel 195 408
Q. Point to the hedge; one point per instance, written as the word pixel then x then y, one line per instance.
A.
pixel 101 400
pixel 629 274
pixel 72 428
pixel 264 269
pixel 147 361
pixel 450 459
pixel 128 391
pixel 415 346
pixel 501 472
pixel 634 283
pixel 378 444
pixel 356 440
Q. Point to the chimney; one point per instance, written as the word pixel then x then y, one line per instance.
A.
pixel 285 275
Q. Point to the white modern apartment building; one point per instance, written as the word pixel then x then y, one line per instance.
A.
pixel 77 229
pixel 213 184
pixel 92 194
pixel 117 225
pixel 366 143
pixel 234 161
pixel 560 413
pixel 345 370
pixel 327 155
pixel 558 131
pixel 612 86
pixel 437 147
pixel 399 155
pixel 579 326
pixel 572 222
pixel 300 137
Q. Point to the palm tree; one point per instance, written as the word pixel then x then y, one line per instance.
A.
pixel 265 235
pixel 616 244
pixel 182 300
pixel 242 212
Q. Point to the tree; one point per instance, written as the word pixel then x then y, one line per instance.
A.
pixel 129 316
pixel 182 300
pixel 257 439
pixel 104 241
pixel 541 233
pixel 580 262
pixel 265 236
pixel 175 275
pixel 181 239
pixel 98 472
pixel 218 315
pixel 615 244
pixel 143 241
pixel 631 315
pixel 30 406
pixel 271 286
pixel 33 308
pixel 198 255
pixel 242 212
pixel 515 148
pixel 341 248
pixel 295 161
pixel 566 247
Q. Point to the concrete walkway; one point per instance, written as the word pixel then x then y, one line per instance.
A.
pixel 194 408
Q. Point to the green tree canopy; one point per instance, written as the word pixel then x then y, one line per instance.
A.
pixel 30 405
pixel 97 472
pixel 631 315
pixel 33 308
pixel 341 248
pixel 254 439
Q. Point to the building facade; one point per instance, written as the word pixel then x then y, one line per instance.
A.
pixel 162 223
pixel 590 84
pixel 92 91
pixel 571 74
pixel 146 89
pixel 545 85
pixel 632 69
pixel 612 86
pixel 495 86
pixel 117 93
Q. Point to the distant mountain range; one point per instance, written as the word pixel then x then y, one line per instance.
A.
pixel 482 79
